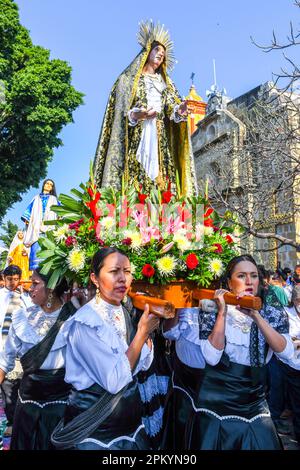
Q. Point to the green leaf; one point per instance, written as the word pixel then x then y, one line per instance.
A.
pixel 47 243
pixel 54 278
pixel 77 193
pixel 46 253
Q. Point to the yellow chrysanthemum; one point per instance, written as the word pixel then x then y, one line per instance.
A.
pixel 216 266
pixel 167 265
pixel 60 233
pixel 136 239
pixel 182 242
pixel 76 260
pixel 208 231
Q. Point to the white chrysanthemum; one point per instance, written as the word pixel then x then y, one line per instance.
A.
pixel 216 266
pixel 182 242
pixel 76 260
pixel 167 265
pixel 136 239
pixel 61 233
pixel 108 222
pixel 208 231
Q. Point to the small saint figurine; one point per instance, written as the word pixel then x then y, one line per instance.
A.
pixel 18 255
pixel 39 211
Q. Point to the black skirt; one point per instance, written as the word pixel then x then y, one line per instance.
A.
pixel 121 430
pixel 41 404
pixel 231 412
pixel 185 383
pixel 153 386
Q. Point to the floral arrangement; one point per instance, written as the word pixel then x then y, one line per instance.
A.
pixel 165 236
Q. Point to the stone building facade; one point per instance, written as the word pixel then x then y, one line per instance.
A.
pixel 218 144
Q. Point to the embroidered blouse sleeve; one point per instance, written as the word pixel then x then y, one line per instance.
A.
pixel 11 350
pixel 100 353
pixel 145 360
pixel 206 323
pixel 288 352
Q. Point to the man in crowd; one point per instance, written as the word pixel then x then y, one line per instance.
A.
pixel 11 299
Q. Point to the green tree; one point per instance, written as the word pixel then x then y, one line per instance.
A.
pixel 36 101
pixel 6 237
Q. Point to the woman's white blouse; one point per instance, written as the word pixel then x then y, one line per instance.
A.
pixel 294 330
pixel 27 329
pixel 186 335
pixel 96 349
pixel 237 334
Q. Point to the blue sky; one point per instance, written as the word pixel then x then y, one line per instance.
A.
pixel 98 39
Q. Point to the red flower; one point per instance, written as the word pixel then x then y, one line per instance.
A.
pixel 166 197
pixel 93 203
pixel 208 223
pixel 229 239
pixel 100 241
pixel 148 270
pixel 142 197
pixel 126 241
pixel 192 261
pixel 70 241
pixel 208 212
pixel 219 247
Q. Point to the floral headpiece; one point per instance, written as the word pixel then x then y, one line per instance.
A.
pixel 150 32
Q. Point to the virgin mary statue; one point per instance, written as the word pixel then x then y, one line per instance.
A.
pixel 144 135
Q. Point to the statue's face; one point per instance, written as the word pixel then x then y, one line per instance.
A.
pixel 156 56
pixel 20 235
pixel 48 186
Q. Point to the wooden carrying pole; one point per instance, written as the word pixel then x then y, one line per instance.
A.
pixel 248 301
pixel 159 307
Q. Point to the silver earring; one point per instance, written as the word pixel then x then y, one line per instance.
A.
pixel 49 300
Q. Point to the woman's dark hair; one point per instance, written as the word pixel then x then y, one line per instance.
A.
pixel 231 266
pixel 59 289
pixel 99 258
pixel 53 190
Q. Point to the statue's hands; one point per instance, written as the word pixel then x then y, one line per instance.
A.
pixel 144 114
pixel 183 109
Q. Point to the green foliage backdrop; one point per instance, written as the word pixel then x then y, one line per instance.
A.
pixel 36 101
